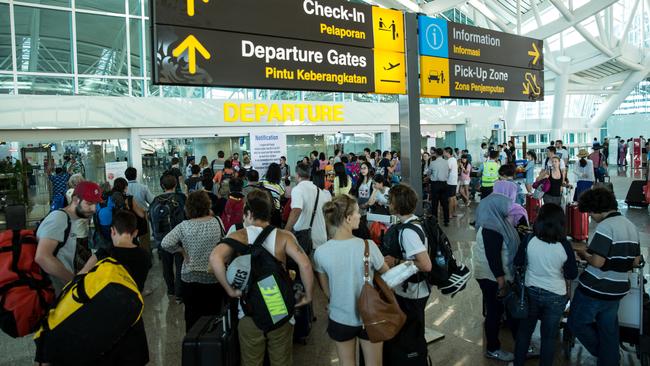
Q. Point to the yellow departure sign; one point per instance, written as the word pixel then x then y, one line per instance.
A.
pixel 434 80
pixel 390 72
pixel 388 29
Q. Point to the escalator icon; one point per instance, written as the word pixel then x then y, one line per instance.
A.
pixel 531 87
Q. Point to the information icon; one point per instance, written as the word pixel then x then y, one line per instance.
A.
pixel 435 37
pixel 433 40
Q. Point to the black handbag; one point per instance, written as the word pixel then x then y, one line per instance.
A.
pixel 304 236
pixel 516 301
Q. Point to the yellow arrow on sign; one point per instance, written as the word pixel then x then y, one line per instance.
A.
pixel 191 44
pixel 534 53
pixel 190 7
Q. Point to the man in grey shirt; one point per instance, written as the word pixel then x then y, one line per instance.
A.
pixel 438 175
pixel 140 192
pixel 57 244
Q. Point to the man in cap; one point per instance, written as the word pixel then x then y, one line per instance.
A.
pixel 57 243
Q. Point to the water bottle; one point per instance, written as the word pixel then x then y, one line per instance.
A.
pixel 440 259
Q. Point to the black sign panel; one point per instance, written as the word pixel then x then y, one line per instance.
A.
pixel 441 77
pixel 186 56
pixel 331 21
pixel 483 45
pixel 440 38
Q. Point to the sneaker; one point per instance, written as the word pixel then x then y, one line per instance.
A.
pixel 458 216
pixel 533 352
pixel 500 355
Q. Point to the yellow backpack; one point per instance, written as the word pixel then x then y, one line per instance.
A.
pixel 90 316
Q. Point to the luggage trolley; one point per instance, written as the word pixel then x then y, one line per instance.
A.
pixel 630 317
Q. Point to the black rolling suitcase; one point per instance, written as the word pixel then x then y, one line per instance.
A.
pixel 635 196
pixel 211 341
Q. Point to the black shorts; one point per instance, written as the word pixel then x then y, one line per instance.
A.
pixel 343 333
pixel 451 190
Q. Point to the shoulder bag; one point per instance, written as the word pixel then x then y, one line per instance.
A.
pixel 304 236
pixel 381 315
pixel 516 300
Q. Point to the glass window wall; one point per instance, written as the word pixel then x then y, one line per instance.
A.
pixel 42 40
pixel 111 6
pixel 544 138
pixel 101 44
pixel 135 35
pixel 47 85
pixel 5 38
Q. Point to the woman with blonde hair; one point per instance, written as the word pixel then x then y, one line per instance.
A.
pixel 340 267
pixel 204 162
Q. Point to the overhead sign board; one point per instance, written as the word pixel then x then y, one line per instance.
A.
pixel 187 56
pixel 331 21
pixel 442 77
pixel 279 44
pixel 335 21
pixel 440 38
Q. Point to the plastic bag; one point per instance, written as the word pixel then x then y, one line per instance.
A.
pixel 395 276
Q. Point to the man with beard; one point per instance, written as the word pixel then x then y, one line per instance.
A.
pixel 57 243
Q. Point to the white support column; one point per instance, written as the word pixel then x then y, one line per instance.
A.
pixel 135 151
pixel 616 99
pixel 559 100
pixel 512 109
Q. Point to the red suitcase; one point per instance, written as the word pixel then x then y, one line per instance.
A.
pixel 532 208
pixel 577 223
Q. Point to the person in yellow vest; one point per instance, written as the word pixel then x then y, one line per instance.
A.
pixel 489 173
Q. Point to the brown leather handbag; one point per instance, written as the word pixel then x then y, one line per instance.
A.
pixel 381 315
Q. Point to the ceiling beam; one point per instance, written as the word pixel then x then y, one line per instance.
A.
pixel 568 15
pixel 489 14
pixel 439 6
pixel 562 23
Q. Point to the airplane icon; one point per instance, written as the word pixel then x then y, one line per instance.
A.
pixel 390 66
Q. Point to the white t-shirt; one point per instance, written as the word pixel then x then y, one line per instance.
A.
pixel 549 164
pixel 545 263
pixel 452 180
pixel 413 245
pixel 303 196
pixel 503 157
pixel 483 158
pixel 563 154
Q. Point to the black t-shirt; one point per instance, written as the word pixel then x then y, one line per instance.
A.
pixel 192 182
pixel 176 173
pixel 136 261
pixel 385 164
pixel 214 202
pixel 132 348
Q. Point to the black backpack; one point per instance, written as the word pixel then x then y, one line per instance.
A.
pixel 269 298
pixel 439 248
pixel 165 212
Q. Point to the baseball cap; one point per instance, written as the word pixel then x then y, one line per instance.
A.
pixel 88 191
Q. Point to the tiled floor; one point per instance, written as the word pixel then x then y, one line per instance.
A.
pixel 459 318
